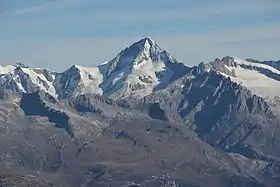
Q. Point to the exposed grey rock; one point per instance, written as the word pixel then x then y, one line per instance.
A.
pixel 275 64
pixel 33 105
pixel 68 82
pixel 137 148
pixel 196 128
pixel 224 114
pixel 219 65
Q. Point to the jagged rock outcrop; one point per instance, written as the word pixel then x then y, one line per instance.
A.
pixel 223 113
pixel 33 105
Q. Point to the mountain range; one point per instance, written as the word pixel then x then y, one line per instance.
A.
pixel 141 119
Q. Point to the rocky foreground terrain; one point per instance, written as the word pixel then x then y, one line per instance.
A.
pixel 141 119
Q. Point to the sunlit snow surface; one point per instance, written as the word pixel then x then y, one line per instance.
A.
pixel 255 81
pixel 19 76
pixel 135 73
pixel 90 80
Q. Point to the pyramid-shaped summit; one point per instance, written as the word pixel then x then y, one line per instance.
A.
pixel 145 45
pixel 139 53
pixel 139 69
pixel 144 48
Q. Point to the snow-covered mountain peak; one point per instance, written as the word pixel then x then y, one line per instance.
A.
pixel 78 80
pixel 20 64
pixel 9 69
pixel 135 72
pixel 139 69
pixel 75 68
pixel 20 78
pixel 147 45
pixel 137 56
pixel 4 69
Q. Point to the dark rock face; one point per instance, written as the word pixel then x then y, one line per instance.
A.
pixel 224 114
pixel 275 64
pixel 222 105
pixel 21 65
pixel 95 104
pixel 48 75
pixel 175 66
pixel 137 86
pixel 33 105
pixel 67 81
pixel 156 112
pixel 86 104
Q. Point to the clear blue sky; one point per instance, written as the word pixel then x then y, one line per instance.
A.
pixel 58 33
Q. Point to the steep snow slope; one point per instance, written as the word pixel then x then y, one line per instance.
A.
pixel 263 80
pixel 264 66
pixel 20 78
pixel 78 80
pixel 274 64
pixel 139 69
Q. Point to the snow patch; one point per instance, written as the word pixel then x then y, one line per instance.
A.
pixel 91 78
pixel 40 80
pixel 5 69
pixel 258 83
pixel 264 66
